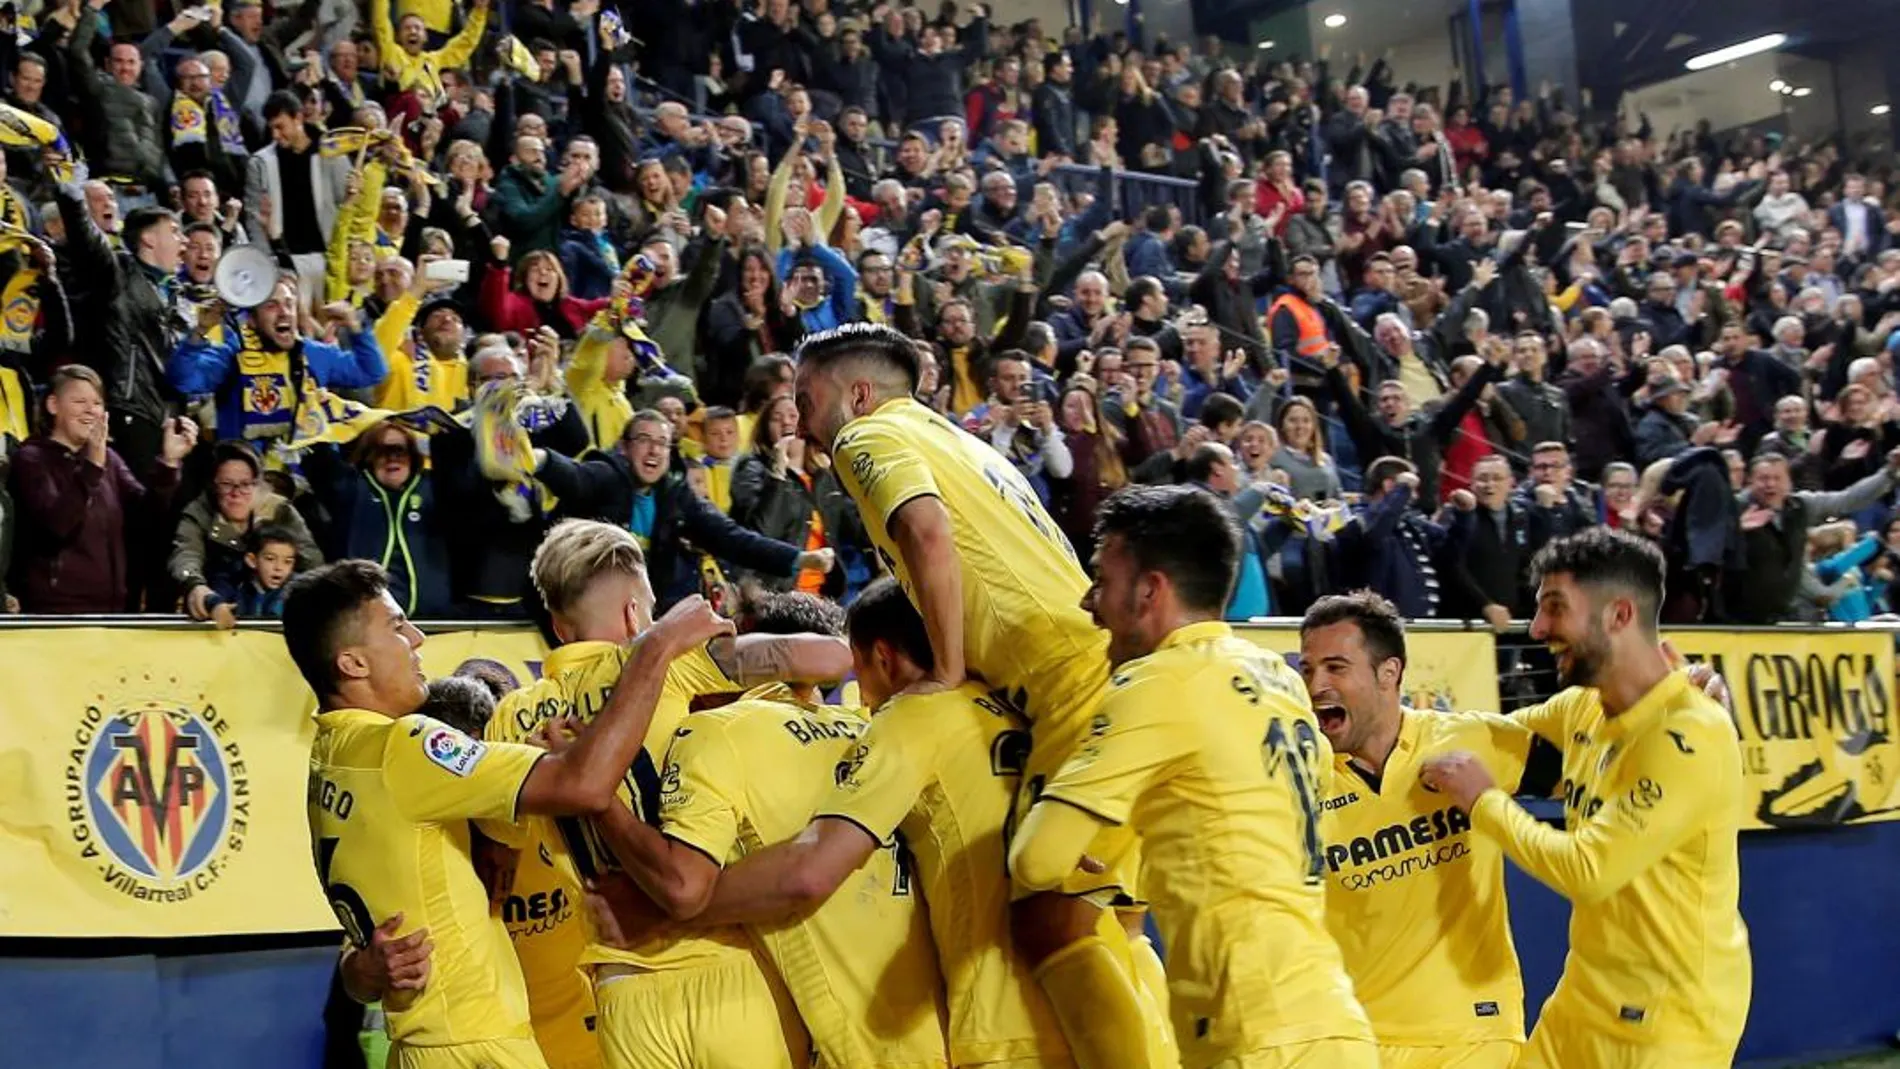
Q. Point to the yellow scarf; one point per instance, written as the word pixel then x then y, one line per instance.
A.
pixel 189 124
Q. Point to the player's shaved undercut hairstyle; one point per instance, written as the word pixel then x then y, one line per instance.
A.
pixel 574 553
pixel 1183 532
pixel 460 702
pixel 1610 562
pixel 880 353
pixel 1380 626
pixel 791 612
pixel 320 616
pixel 883 611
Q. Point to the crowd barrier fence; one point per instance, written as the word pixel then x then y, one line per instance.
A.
pixel 155 866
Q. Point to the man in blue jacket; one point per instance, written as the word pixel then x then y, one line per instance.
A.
pixel 266 374
pixel 635 486
pixel 822 283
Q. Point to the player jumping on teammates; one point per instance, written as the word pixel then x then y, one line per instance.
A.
pixel 391 794
pixel 1208 748
pixel 998 587
pixel 1658 972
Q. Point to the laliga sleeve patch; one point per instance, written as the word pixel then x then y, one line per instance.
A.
pixel 453 750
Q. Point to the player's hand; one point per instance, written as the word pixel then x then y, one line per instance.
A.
pixel 688 625
pixel 1702 675
pixel 622 913
pixel 1459 775
pixel 389 963
pixel 495 866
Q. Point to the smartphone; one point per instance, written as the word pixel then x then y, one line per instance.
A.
pixel 446 271
pixel 201 12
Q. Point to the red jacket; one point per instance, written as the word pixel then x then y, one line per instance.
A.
pixel 69 556
pixel 508 310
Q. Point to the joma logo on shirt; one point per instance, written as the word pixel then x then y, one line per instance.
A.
pixel 1398 838
pixel 1340 802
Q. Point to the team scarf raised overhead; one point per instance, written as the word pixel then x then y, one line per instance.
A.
pixel 356 142
pixel 20 296
pixel 23 129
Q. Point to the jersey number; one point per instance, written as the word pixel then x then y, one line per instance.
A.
pixel 351 911
pixel 1293 753
pixel 901 860
pixel 592 856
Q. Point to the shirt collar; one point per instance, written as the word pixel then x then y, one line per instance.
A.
pixel 1199 632
pixel 562 658
pixel 1665 695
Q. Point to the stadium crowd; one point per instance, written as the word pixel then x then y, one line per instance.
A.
pixel 1408 333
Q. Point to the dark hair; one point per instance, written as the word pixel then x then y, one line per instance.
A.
pixel 1221 408
pixel 761 379
pixel 139 220
pixel 1140 288
pixel 460 702
pixel 762 441
pixel 282 102
pixel 320 611
pixel 198 173
pixel 1038 336
pixel 1385 468
pixel 645 415
pixel 1156 218
pixel 1183 532
pixel 266 533
pixel 1380 626
pixel 235 449
pixel 1200 464
pixel 881 346
pixel 203 228
pixel 791 612
pixel 1602 558
pixel 883 611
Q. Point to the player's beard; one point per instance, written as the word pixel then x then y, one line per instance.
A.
pixel 1586 659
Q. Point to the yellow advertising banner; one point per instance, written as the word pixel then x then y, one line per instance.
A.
pixel 1444 670
pixel 155 780
pixel 1814 712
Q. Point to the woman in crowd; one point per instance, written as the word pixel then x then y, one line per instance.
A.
pixel 1312 473
pixel 533 295
pixel 1096 447
pixel 208 551
pixel 785 491
pixel 745 325
pixel 77 498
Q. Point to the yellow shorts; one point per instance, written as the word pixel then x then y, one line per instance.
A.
pixel 1568 1047
pixel 567 1041
pixel 1317 1054
pixel 1500 1054
pixel 1052 739
pixel 728 1016
pixel 493 1054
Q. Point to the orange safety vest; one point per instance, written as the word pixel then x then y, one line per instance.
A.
pixel 1313 340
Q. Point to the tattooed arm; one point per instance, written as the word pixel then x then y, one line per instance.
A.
pixel 749 660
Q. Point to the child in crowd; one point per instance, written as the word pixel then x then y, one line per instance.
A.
pixel 721 433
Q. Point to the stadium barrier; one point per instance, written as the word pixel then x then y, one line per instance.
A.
pixel 154 851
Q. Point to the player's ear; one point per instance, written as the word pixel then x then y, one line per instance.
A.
pixel 1389 672
pixel 351 663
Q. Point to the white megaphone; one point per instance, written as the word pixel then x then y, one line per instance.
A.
pixel 246 275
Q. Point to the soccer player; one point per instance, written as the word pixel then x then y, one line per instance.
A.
pixel 1414 899
pixel 391 794
pixel 1658 972
pixel 998 587
pixel 746 775
pixel 936 772
pixel 700 999
pixel 1208 748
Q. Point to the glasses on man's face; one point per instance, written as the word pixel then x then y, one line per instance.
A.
pixel 227 488
pixel 653 441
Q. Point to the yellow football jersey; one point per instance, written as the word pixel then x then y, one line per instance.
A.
pixel 941 771
pixel 544 905
pixel 1414 899
pixel 1653 802
pixel 860 967
pixel 1208 748
pixel 389 805
pixel 1024 628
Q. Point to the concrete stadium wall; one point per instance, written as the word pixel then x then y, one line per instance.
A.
pixel 1821 909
